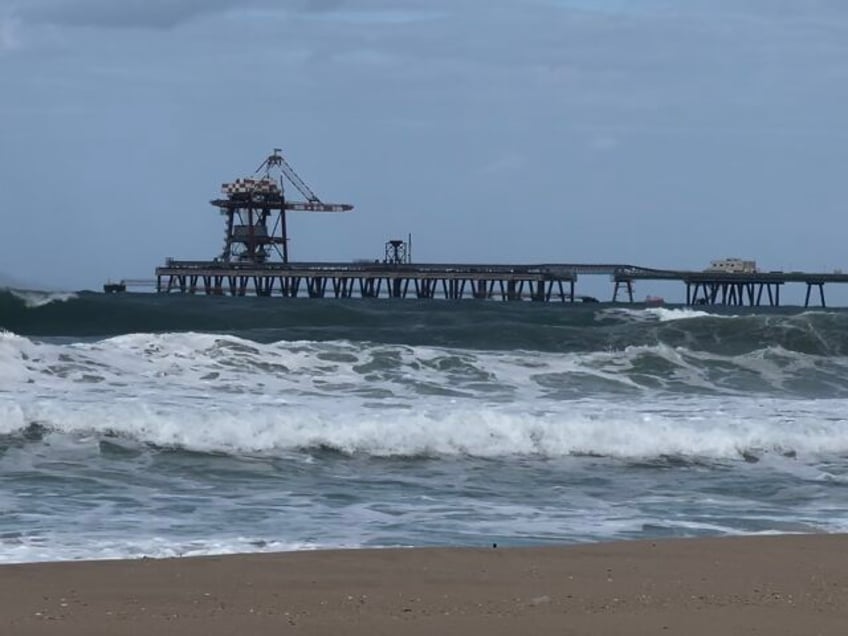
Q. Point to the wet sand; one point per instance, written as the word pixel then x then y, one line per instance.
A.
pixel 753 585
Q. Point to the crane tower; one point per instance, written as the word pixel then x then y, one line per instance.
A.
pixel 255 211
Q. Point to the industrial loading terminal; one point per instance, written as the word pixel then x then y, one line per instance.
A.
pixel 255 261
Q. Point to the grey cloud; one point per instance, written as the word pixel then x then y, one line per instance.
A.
pixel 8 34
pixel 154 14
pixel 711 109
pixel 322 5
pixel 160 14
pixel 765 11
pixel 151 14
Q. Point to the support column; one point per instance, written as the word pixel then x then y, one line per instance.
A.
pixel 810 286
pixel 510 290
pixel 538 294
pixel 628 285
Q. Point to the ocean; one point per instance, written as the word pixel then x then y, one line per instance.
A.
pixel 141 425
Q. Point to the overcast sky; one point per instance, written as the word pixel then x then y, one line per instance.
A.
pixel 650 132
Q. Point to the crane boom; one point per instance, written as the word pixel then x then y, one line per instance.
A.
pixel 279 204
pixel 317 206
pixel 277 160
pixel 297 182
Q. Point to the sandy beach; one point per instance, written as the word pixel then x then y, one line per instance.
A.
pixel 763 585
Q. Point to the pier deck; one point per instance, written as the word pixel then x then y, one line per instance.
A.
pixel 454 281
pixel 366 280
pixel 753 289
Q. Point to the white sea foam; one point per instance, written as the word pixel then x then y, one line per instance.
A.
pixel 221 393
pixel 196 364
pixel 574 446
pixel 28 549
pixel 660 314
pixel 710 428
pixel 34 299
pixel 664 314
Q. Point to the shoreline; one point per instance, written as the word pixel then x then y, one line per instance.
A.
pixel 784 584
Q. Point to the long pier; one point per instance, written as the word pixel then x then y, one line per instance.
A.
pixel 367 280
pixel 539 282
pixel 255 262
pixel 740 289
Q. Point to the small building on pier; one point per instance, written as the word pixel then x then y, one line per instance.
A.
pixel 732 266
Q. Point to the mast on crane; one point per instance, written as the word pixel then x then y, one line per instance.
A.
pixel 252 204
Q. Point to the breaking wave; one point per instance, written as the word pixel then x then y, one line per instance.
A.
pixel 211 393
pixel 137 424
pixel 547 327
pixel 34 299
